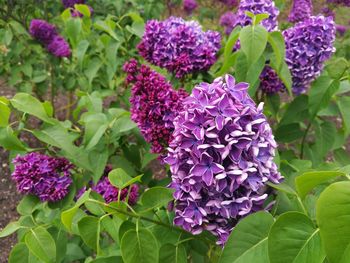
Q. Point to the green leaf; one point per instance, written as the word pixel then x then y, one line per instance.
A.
pixel 248 240
pixel 325 138
pixel 298 110
pixel 28 104
pixel 156 197
pixel 9 141
pixel 293 238
pixel 172 254
pixel 289 132
pixel 139 247
pixel 83 9
pixel 4 112
pixel 253 74
pixel 10 229
pixel 27 205
pixel 337 68
pixel 73 29
pixel 92 68
pixel 284 74
pixel 344 107
pixel 253 42
pixel 68 215
pixel 89 229
pixel 283 187
pixel 19 254
pixel 81 50
pixel 276 40
pixel 309 180
pixel 119 178
pixel 41 244
pixel 112 225
pixel 333 214
pixel 259 17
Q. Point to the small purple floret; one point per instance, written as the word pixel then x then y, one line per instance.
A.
pixel 270 83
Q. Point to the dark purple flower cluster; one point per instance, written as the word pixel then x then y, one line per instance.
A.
pixel 180 46
pixel 228 21
pixel 301 10
pixel 154 104
pixel 220 158
pixel 189 6
pixel 270 83
pixel 341 29
pixel 308 45
pixel 109 192
pixel 48 36
pixel 41 175
pixel 258 7
pixel 340 2
pixel 229 3
pixel 71 3
pixel 328 12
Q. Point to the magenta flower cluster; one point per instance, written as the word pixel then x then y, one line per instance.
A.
pixel 221 158
pixel 189 6
pixel 228 21
pixel 179 46
pixel 308 45
pixel 41 175
pixel 270 83
pixel 258 7
pixel 48 36
pixel 340 2
pixel 109 192
pixel 154 104
pixel 71 3
pixel 301 10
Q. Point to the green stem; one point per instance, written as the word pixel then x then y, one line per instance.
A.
pixel 304 139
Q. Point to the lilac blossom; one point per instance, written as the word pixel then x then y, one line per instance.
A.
pixel 179 46
pixel 270 83
pixel 228 21
pixel 308 45
pixel 230 3
pixel 59 47
pixel 221 158
pixel 340 2
pixel 301 10
pixel 258 7
pixel 328 12
pixel 341 30
pixel 189 6
pixel 154 104
pixel 71 3
pixel 41 175
pixel 42 31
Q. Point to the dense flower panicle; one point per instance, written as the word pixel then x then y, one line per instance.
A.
pixel 270 83
pixel 258 7
pixel 42 31
pixel 71 3
pixel 228 21
pixel 41 175
pixel 189 6
pixel 179 46
pixel 220 158
pixel 154 104
pixel 340 2
pixel 341 30
pixel 308 45
pixel 301 10
pixel 229 3
pixel 59 47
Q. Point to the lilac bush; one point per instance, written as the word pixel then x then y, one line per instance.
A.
pixel 179 46
pixel 301 10
pixel 258 7
pixel 47 177
pixel 270 83
pixel 308 45
pixel 154 104
pixel 220 158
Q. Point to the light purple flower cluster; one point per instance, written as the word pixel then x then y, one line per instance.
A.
pixel 48 36
pixel 41 175
pixel 109 192
pixel 229 3
pixel 301 10
pixel 258 7
pixel 308 45
pixel 340 2
pixel 220 158
pixel 228 21
pixel 154 104
pixel 189 6
pixel 180 46
pixel 270 83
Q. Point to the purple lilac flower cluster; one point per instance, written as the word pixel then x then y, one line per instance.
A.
pixel 180 46
pixel 228 21
pixel 308 45
pixel 109 192
pixel 48 36
pixel 341 29
pixel 258 7
pixel 41 175
pixel 270 83
pixel 189 6
pixel 154 104
pixel 220 158
pixel 301 10
pixel 340 2
pixel 328 12
pixel 229 3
